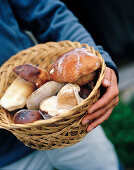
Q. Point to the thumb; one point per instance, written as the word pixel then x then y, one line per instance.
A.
pixel 107 77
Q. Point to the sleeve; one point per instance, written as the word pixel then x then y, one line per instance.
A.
pixel 50 20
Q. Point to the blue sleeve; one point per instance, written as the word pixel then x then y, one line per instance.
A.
pixel 50 20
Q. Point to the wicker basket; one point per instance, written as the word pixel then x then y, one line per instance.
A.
pixel 59 131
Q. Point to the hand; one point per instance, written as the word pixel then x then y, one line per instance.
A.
pixel 102 109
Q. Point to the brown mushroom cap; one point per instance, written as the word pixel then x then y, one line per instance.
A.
pixel 26 116
pixel 74 64
pixel 32 74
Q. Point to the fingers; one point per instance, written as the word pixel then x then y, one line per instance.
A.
pixel 100 112
pixel 100 120
pixel 110 94
pixel 107 77
pixel 104 101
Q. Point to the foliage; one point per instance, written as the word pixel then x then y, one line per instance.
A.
pixel 120 130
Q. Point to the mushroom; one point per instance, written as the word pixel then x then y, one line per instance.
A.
pixel 48 89
pixel 76 66
pixel 32 74
pixel 48 106
pixel 68 96
pixel 66 99
pixel 27 116
pixel 85 91
pixel 16 94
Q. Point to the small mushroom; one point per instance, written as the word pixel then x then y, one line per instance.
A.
pixel 32 74
pixel 27 116
pixel 66 99
pixel 85 91
pixel 48 89
pixel 68 96
pixel 48 106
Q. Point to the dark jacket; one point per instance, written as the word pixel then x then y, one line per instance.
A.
pixel 48 20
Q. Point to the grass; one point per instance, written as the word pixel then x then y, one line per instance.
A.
pixel 120 130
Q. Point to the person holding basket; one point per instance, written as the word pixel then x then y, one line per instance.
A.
pixel 50 20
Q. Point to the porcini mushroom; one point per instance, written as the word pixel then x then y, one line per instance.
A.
pixel 48 89
pixel 32 74
pixel 16 94
pixel 27 116
pixel 76 66
pixel 66 99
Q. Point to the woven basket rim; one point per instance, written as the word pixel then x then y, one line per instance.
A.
pixel 65 113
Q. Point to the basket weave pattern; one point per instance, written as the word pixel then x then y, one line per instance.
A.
pixel 59 131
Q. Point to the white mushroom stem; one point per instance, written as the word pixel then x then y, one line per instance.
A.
pixel 16 95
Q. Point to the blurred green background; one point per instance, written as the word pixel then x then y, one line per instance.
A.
pixel 119 129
